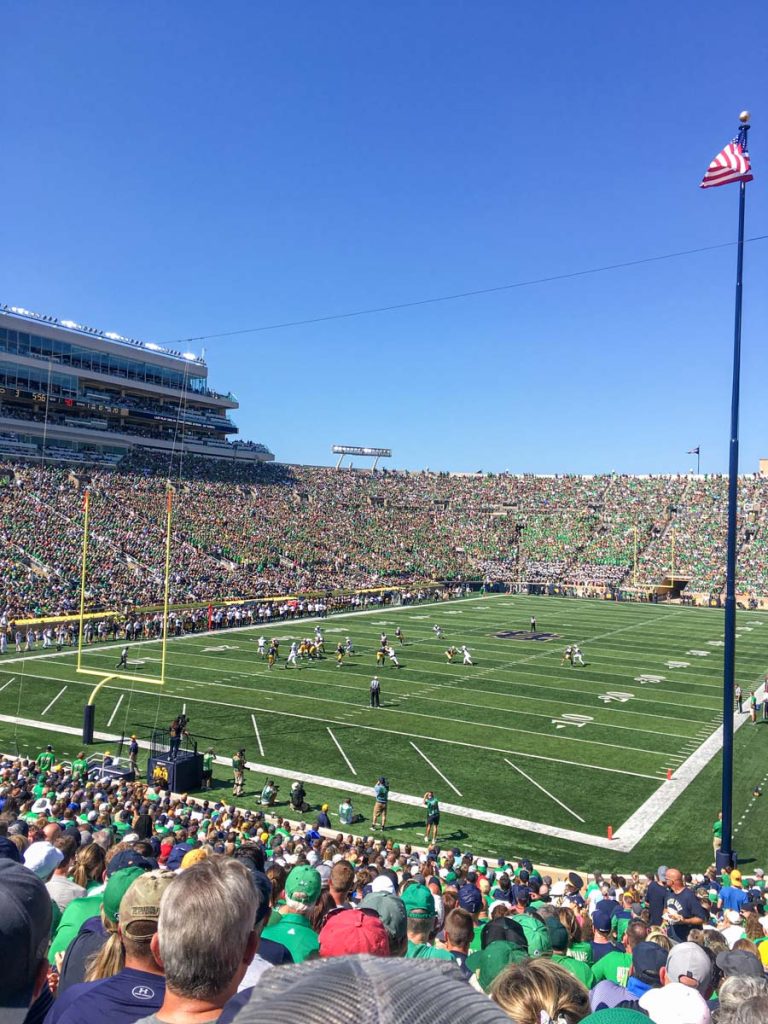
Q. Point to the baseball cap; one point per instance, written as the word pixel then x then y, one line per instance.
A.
pixel 25 928
pixel 470 899
pixel 391 910
pixel 129 859
pixel 615 1015
pixel 384 990
pixel 503 929
pixel 492 960
pixel 303 885
pixel 647 960
pixel 675 1004
pixel 575 880
pixel 733 917
pixel 735 875
pixel 116 887
pixel 688 960
pixel 354 931
pixel 177 855
pixel 383 883
pixel 558 933
pixel 601 919
pixel 740 963
pixel 42 858
pixel 419 901
pixel 141 900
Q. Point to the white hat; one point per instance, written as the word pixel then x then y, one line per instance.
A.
pixel 675 1004
pixel 557 889
pixel 41 806
pixel 733 917
pixel 43 859
pixel 383 883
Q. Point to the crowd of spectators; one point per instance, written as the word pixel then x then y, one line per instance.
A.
pixel 251 530
pixel 121 902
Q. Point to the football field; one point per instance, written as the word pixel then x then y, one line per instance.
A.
pixel 527 755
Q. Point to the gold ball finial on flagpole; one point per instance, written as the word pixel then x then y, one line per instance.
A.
pixel 744 116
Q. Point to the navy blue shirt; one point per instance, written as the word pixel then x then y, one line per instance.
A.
pixel 685 904
pixel 122 999
pixel 656 897
pixel 601 949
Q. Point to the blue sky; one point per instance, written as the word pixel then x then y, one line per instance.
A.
pixel 179 169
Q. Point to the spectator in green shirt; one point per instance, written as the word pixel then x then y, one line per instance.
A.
pixel 44 760
pixel 293 929
pixel 422 918
pixel 617 967
pixel 80 766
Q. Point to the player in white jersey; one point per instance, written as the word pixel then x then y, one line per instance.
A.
pixel 291 659
pixel 465 652
pixel 262 646
pixel 3 640
pixel 438 632
pixel 577 658
pixel 348 647
pixel 393 657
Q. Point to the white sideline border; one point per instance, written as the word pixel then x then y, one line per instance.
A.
pixel 624 838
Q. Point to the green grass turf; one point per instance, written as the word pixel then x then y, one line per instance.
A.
pixel 465 720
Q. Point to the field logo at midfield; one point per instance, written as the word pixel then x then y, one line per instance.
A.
pixel 617 695
pixel 524 634
pixel 645 678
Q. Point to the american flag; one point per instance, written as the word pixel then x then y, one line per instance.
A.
pixel 730 164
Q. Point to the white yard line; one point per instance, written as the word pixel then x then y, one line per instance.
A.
pixel 545 791
pixel 435 768
pixel 48 708
pixel 112 716
pixel 646 816
pixel 7 684
pixel 258 735
pixel 339 748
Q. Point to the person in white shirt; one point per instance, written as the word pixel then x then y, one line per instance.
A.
pixel 577 658
pixel 291 660
pixel 465 652
pixel 262 646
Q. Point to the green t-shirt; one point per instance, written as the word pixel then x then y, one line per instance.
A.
pixel 717 829
pixel 38 790
pixel 44 761
pixel 476 943
pixel 296 934
pixel 79 766
pixel 75 914
pixel 346 814
pixel 615 967
pixel 208 762
pixel 422 951
pixel 433 807
pixel 581 951
pixel 578 968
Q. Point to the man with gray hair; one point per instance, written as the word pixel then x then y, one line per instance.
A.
pixel 205 940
